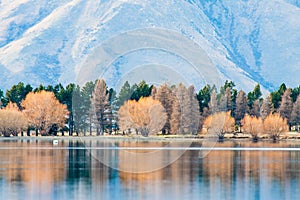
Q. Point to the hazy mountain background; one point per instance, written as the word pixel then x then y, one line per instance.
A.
pixel 47 41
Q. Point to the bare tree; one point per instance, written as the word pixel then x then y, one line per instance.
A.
pixel 286 105
pixel 43 110
pixel 241 106
pixel 167 98
pixel 225 101
pixel 189 109
pixel 213 103
pixel 148 116
pixel 295 116
pixel 266 107
pixel 275 125
pixel 255 110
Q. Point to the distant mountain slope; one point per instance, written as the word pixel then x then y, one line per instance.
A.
pixel 48 41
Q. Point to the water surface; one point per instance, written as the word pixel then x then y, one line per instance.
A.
pixel 35 169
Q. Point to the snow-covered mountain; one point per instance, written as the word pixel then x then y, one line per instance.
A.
pixel 51 41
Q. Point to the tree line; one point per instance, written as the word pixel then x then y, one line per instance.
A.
pixel 146 109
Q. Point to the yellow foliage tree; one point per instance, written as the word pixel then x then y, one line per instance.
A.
pixel 219 124
pixel 12 120
pixel 252 125
pixel 43 110
pixel 275 125
pixel 147 116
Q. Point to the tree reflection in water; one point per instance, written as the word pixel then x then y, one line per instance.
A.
pixel 52 172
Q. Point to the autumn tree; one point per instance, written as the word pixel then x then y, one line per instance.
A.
pixel 275 125
pixel 286 105
pixel 42 110
pixel 219 124
pixel 12 120
pixel 266 107
pixel 241 106
pixel 252 125
pixel 101 106
pixel 147 115
pixel 295 116
pixel 189 109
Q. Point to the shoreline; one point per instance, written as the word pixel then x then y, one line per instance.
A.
pixel 291 136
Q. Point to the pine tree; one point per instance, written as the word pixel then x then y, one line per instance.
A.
pixel 194 111
pixel 102 108
pixel 124 94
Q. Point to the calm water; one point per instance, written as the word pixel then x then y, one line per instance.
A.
pixel 32 169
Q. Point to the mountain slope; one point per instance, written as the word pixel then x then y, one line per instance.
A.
pixel 248 41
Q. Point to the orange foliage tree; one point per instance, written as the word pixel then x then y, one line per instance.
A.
pixel 147 116
pixel 43 110
pixel 12 120
pixel 219 124
pixel 252 125
pixel 275 125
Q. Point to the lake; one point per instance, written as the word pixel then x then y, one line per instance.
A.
pixel 102 169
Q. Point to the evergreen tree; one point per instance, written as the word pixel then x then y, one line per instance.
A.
pixel 17 93
pixel 124 94
pixel 295 93
pixel 276 96
pixel 253 96
pixel 203 97
pixel 194 113
pixel 140 90
pixel 87 93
